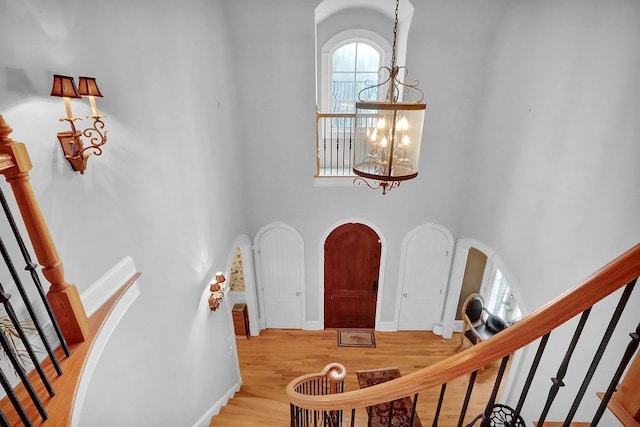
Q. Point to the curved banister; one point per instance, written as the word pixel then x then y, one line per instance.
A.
pixel 335 372
pixel 604 282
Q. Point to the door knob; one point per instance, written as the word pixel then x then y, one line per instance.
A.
pixel 404 295
pixel 297 294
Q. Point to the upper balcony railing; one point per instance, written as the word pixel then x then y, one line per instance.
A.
pixel 334 144
pixel 335 131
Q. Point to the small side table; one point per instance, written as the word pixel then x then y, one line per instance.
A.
pixel 240 320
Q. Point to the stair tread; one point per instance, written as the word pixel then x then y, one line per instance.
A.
pixel 252 411
pixel 265 392
pixel 258 403
pixel 248 420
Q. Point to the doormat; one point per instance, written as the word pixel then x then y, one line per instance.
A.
pixel 356 338
pixel 379 414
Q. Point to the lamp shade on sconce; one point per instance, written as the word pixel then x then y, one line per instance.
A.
pixel 220 278
pixel 64 86
pixel 71 142
pixel 87 86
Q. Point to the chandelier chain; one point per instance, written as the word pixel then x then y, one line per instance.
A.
pixel 395 36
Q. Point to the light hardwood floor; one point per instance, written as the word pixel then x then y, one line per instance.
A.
pixel 268 362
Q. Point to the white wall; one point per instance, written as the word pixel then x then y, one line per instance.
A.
pixel 161 193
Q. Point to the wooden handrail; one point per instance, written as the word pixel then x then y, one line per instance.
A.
pixel 336 373
pixel 336 115
pixel 604 282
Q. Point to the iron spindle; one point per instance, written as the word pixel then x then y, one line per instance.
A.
pixel 29 307
pixel 467 397
pixel 3 420
pixel 4 300
pixel 624 298
pixel 494 393
pixel 344 138
pixel 17 405
pixel 562 370
pixel 529 380
pixel 413 409
pixel 324 146
pixel 22 374
pixel 292 413
pixel 31 267
pixel 626 358
pixel 443 389
pixel 335 168
pixel 352 127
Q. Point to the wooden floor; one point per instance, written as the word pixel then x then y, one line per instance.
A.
pixel 268 362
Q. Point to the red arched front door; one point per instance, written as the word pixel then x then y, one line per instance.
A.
pixel 351 267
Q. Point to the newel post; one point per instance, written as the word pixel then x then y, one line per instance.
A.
pixel 63 297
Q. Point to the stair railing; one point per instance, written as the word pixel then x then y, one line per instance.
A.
pixel 63 297
pixel 62 302
pixel 327 382
pixel 619 273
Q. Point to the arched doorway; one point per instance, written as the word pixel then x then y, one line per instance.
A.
pixel 279 261
pixel 351 270
pixel 424 274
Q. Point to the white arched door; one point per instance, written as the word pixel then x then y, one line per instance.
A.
pixel 424 274
pixel 280 268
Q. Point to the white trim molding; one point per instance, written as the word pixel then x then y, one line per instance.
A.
pixel 92 299
pixel 205 419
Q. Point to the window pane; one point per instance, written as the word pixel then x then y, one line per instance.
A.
pixel 500 300
pixel 368 58
pixel 354 67
pixel 342 92
pixel 344 59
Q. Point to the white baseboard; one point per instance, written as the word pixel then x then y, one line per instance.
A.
pixel 387 327
pixel 315 325
pixel 437 329
pixel 107 285
pixel 205 419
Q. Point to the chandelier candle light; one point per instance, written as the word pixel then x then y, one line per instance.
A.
pixel 388 133
pixel 71 141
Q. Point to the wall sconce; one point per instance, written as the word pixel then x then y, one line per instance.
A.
pixel 217 292
pixel 71 141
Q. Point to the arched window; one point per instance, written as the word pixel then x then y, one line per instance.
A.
pixel 349 61
pixel 353 40
pixel 354 66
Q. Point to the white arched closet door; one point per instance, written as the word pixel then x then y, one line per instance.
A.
pixel 280 271
pixel 424 274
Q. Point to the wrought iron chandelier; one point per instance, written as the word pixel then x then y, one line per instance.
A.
pixel 388 133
